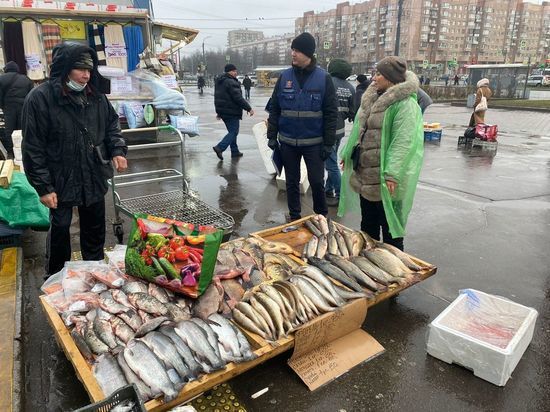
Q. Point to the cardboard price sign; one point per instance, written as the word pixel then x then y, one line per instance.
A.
pixel 332 344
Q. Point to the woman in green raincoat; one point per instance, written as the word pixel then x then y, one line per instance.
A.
pixel 388 130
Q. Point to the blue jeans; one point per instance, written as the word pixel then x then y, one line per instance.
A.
pixel 331 165
pixel 230 139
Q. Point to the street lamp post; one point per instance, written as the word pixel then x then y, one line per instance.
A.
pixel 204 58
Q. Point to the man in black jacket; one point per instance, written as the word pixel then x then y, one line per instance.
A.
pixel 229 104
pixel 71 135
pixel 247 84
pixel 302 123
pixel 362 83
pixel 14 87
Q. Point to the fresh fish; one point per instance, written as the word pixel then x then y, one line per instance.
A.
pixel 336 273
pixel 134 287
pixel 234 290
pixel 82 346
pixel 372 270
pixel 311 246
pixel 144 316
pixel 94 343
pixel 104 331
pixel 257 277
pixel 99 288
pixel 312 228
pixel 348 240
pixel 332 244
pixel 277 272
pixel 125 406
pixel 108 374
pixel 341 244
pixel 407 261
pixel 277 247
pixel 312 293
pixel 322 247
pixel 158 292
pixel 183 350
pixel 274 312
pixel 244 260
pixel 209 302
pixel 150 325
pixel 255 251
pixel 164 348
pixel 120 297
pixel 273 259
pixel 197 340
pixel 306 309
pixel 331 300
pixel 108 304
pixel 210 334
pixel 231 338
pixel 276 296
pixel 72 318
pixel 248 310
pixel 348 295
pixel 149 368
pixel 289 296
pixel 247 323
pixel 121 329
pixel 369 242
pixel 227 258
pixel 265 315
pixel 387 261
pixel 145 391
pixel 357 243
pixel 176 313
pixel 315 221
pixel 351 270
pixel 323 223
pixel 132 318
pixel 321 278
pixel 147 303
pixel 291 263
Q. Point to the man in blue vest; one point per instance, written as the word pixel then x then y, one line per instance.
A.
pixel 302 123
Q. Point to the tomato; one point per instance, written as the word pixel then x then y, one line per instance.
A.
pixel 196 240
pixel 176 242
pixel 182 253
pixel 147 257
pixel 168 253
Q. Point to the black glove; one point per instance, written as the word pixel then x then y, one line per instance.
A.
pixel 272 144
pixel 326 151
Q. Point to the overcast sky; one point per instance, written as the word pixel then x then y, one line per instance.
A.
pixel 215 18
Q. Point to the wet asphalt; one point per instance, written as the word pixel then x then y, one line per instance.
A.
pixel 482 217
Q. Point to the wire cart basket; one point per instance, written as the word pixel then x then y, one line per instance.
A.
pixel 179 204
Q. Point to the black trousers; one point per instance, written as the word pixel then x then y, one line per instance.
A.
pixel 92 235
pixel 292 156
pixel 373 218
pixel 12 121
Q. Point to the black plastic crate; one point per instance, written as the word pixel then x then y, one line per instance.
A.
pixel 126 393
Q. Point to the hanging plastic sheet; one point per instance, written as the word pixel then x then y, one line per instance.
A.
pixel 133 38
pixel 34 52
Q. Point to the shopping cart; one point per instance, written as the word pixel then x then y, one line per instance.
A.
pixel 181 204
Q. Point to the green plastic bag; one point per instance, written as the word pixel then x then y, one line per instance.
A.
pixel 20 205
pixel 175 255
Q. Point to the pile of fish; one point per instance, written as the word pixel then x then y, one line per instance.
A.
pixel 144 334
pixel 274 310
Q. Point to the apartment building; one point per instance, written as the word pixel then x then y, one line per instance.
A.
pixel 432 33
pixel 242 36
pixel 266 51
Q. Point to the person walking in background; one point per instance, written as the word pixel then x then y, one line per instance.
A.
pixel 247 84
pixel 14 87
pixel 200 84
pixel 340 70
pixel 427 81
pixel 302 123
pixel 456 80
pixel 421 79
pixel 71 141
pixel 229 104
pixel 363 83
pixel 478 116
pixel 387 145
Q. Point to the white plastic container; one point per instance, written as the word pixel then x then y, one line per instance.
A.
pixel 304 183
pixel 484 333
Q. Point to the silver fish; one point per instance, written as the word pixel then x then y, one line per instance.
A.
pixel 104 331
pixel 132 318
pixel 176 313
pixel 336 273
pixel 197 340
pixel 227 338
pixel 247 323
pixel 164 348
pixel 150 325
pixel 332 244
pixel 274 312
pixel 311 246
pixel 321 278
pixel 322 247
pixel 265 315
pixel 147 303
pixel 121 329
pixel 372 270
pixel 341 244
pixel 407 261
pixel 312 293
pixel 244 350
pixel 351 270
pixel 347 239
pixel 323 223
pixel 247 309
pixel 387 261
pixel 120 297
pixel 145 391
pixel 158 292
pixel 183 350
pixel 357 244
pixel 312 228
pixel 108 304
pixel 96 345
pixel 149 368
pixel 331 300
pixel 108 374
pixel 82 346
pixel 134 287
pixel 210 334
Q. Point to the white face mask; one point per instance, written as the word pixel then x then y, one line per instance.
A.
pixel 77 87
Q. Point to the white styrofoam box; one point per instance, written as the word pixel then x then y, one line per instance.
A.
pixel 46 4
pixel 17 153
pixel 7 3
pixel 17 138
pixel 260 134
pixel 304 183
pixel 484 333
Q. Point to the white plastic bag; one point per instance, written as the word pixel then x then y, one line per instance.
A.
pixel 186 124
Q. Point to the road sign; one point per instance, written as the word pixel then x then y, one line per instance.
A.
pixel 326 45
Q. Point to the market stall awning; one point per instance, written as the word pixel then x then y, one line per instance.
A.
pixel 175 33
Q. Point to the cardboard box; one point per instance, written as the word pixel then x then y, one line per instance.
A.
pixel 484 333
pixel 332 344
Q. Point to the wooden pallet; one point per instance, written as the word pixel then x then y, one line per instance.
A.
pixel 6 173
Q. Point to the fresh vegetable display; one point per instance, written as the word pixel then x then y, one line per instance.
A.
pixel 173 254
